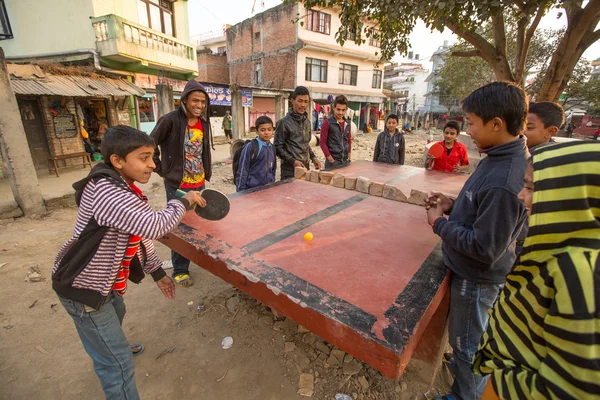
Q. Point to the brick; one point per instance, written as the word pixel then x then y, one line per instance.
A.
pixel 393 193
pixel 376 189
pixel 299 172
pixel 339 180
pixel 363 184
pixel 325 177
pixel 306 385
pixel 213 68
pixel 314 176
pixel 350 183
pixel 417 197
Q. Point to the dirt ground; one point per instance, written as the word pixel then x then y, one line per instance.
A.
pixel 42 356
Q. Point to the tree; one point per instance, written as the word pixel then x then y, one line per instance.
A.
pixel 396 19
pixel 581 91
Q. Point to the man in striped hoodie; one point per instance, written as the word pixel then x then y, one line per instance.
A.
pixel 111 244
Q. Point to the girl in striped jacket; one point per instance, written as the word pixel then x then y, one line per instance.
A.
pixel 111 244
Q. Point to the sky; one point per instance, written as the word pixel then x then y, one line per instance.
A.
pixel 209 16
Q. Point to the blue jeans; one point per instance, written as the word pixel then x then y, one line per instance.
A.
pixel 469 305
pixel 181 265
pixel 104 340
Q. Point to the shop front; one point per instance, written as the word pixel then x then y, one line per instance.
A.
pixel 65 115
pixel 148 103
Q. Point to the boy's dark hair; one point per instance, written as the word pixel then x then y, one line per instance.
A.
pixel 503 100
pixel 452 125
pixel 300 91
pixel 392 116
pixel 263 119
pixel 551 114
pixel 122 140
pixel 341 99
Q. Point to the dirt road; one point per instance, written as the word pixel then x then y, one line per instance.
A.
pixel 42 356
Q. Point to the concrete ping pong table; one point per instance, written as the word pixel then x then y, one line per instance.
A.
pixel 372 281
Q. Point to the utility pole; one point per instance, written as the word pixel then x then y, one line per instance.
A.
pixel 15 150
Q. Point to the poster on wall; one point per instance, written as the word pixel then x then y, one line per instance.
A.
pixel 64 125
pixel 247 97
pixel 219 95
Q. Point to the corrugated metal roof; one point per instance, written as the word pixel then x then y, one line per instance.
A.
pixel 31 80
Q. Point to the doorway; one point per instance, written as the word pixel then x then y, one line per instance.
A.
pixel 35 132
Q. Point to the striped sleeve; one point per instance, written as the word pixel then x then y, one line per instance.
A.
pixel 543 340
pixel 123 210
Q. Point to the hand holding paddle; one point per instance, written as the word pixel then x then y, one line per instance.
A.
pixel 436 150
pixel 214 205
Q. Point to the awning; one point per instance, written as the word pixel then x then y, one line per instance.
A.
pixel 32 80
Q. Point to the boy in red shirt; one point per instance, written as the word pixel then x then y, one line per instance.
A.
pixel 456 156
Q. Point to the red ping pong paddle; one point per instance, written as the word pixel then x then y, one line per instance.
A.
pixel 217 204
pixel 436 150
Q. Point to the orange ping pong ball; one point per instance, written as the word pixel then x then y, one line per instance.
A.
pixel 308 236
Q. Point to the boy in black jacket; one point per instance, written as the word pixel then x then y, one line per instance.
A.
pixel 182 155
pixel 390 146
pixel 484 221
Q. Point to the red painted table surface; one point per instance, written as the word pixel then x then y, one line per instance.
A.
pixel 369 281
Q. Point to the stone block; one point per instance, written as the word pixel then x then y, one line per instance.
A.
pixel 314 176
pixel 325 177
pixel 417 197
pixel 339 180
pixel 350 183
pixel 376 189
pixel 363 184
pixel 299 172
pixel 393 193
pixel 307 385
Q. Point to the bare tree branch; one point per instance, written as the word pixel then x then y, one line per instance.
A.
pixel 590 40
pixel 483 46
pixel 469 53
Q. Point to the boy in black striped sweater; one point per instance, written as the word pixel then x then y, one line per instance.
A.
pixel 111 244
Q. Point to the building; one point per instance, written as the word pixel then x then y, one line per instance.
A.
pixel 213 73
pixel 596 69
pixel 432 100
pixel 271 56
pixel 407 82
pixel 99 45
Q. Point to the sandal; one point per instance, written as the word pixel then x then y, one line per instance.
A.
pixel 184 280
pixel 139 347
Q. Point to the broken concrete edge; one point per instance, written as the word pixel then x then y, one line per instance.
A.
pixel 364 185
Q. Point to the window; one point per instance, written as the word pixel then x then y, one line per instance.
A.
pixel 316 70
pixel 146 107
pixel 377 79
pixel 375 41
pixel 5 29
pixel 221 50
pixel 157 15
pixel 256 35
pixel 354 32
pixel 257 74
pixel 318 22
pixel 348 74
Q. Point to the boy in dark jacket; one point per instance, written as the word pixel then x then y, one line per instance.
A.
pixel 182 155
pixel 292 136
pixel 336 139
pixel 111 244
pixel 478 238
pixel 390 146
pixel 257 169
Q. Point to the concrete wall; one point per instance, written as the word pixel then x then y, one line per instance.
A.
pixel 213 68
pixel 268 39
pixel 55 28
pixel 364 78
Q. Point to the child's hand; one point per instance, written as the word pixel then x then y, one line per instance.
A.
pixel 317 164
pixel 299 164
pixel 195 198
pixel 167 286
pixel 445 203
pixel 330 159
pixel 434 212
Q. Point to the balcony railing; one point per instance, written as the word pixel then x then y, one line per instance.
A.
pixel 111 26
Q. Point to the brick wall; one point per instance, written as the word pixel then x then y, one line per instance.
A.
pixel 269 40
pixel 213 68
pixel 59 146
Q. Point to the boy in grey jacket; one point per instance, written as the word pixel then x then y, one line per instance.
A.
pixel 484 221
